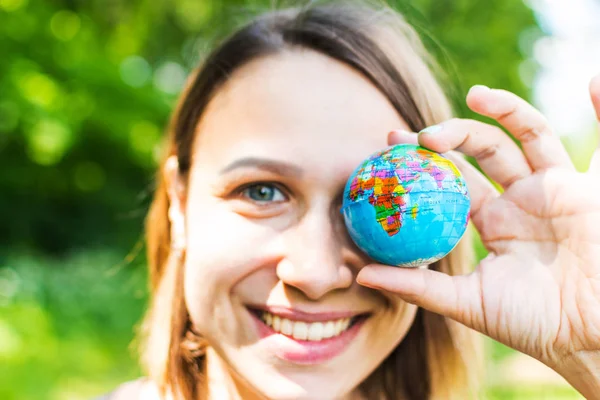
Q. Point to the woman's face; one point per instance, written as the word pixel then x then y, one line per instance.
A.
pixel 270 271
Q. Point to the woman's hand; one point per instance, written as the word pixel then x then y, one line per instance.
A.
pixel 538 291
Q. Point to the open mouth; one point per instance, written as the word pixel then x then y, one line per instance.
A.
pixel 304 330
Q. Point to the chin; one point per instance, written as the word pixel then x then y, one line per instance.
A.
pixel 274 377
pixel 280 352
pixel 306 385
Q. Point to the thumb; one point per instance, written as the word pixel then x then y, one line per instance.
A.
pixel 455 297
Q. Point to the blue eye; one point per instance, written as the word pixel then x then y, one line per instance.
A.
pixel 263 193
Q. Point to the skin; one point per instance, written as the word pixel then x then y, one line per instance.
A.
pixel 539 289
pixel 537 292
pixel 296 108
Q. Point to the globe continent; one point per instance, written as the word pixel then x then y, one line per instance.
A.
pixel 406 206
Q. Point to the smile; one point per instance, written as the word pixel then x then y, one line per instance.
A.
pixel 306 331
pixel 306 338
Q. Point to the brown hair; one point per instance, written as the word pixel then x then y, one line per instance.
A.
pixel 437 358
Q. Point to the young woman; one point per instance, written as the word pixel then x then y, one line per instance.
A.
pixel 258 292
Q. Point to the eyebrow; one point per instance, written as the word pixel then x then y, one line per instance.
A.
pixel 274 166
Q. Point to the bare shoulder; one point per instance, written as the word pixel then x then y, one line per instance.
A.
pixel 139 389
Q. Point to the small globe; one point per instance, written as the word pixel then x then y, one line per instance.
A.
pixel 406 206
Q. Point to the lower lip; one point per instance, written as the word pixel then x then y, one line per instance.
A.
pixel 306 352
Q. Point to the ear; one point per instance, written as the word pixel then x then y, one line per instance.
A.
pixel 177 200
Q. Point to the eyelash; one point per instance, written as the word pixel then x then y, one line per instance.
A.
pixel 275 186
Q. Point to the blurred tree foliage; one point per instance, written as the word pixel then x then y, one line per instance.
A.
pixel 86 88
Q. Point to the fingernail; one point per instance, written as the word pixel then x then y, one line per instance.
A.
pixel 432 129
pixel 479 87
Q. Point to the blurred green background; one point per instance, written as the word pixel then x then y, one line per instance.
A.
pixel 86 88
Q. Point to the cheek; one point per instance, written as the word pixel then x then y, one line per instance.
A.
pixel 396 322
pixel 405 319
pixel 222 249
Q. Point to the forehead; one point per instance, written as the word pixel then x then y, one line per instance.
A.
pixel 299 106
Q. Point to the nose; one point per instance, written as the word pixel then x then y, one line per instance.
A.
pixel 317 261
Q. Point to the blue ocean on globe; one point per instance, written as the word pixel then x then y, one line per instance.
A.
pixel 406 206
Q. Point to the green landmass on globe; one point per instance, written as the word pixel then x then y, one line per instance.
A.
pixel 385 186
pixel 411 191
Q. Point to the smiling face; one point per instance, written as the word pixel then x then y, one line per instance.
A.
pixel 270 271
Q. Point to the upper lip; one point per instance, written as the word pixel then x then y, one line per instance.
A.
pixel 297 315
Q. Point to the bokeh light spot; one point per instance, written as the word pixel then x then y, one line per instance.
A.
pixel 48 141
pixel 39 89
pixel 192 15
pixel 10 282
pixel 10 342
pixel 89 176
pixel 528 70
pixel 12 5
pixel 124 42
pixel 143 137
pixel 135 71
pixel 65 25
pixel 170 77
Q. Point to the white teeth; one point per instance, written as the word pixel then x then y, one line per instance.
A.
pixel 300 331
pixel 329 329
pixel 306 331
pixel 315 332
pixel 287 328
pixel 276 324
pixel 339 325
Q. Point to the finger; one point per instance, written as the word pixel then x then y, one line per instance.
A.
pixel 402 137
pixel 541 146
pixel 480 189
pixel 456 297
pixel 495 152
pixel 595 95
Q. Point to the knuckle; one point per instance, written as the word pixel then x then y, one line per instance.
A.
pixel 503 116
pixel 528 134
pixel 486 152
pixel 532 132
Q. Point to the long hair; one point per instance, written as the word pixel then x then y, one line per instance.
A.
pixel 438 358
